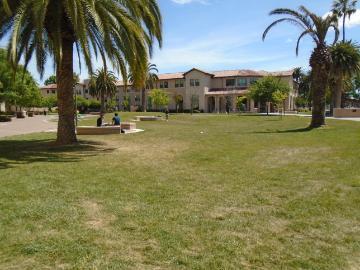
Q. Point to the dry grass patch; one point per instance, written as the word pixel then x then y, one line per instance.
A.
pixel 276 158
pixel 97 218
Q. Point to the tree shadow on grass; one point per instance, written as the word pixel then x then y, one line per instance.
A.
pixel 298 130
pixel 17 152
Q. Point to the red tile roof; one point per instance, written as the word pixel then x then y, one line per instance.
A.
pixel 50 86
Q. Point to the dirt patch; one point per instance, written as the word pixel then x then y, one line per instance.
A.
pixel 97 218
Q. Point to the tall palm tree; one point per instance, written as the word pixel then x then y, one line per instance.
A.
pixel 320 61
pixel 149 81
pixel 103 85
pixel 346 63
pixel 120 32
pixel 344 8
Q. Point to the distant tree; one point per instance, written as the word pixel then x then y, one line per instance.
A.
pixel 263 90
pixel 148 83
pixel 18 88
pixel 240 103
pixel 178 101
pixel 126 103
pixel 317 27
pixel 345 64
pixel 278 98
pixel 103 85
pixel 298 74
pixel 50 101
pixel 159 98
pixel 343 9
pixel 50 80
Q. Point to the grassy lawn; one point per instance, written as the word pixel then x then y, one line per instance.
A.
pixel 197 192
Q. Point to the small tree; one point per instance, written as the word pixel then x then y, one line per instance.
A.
pixel 240 103
pixel 159 98
pixel 194 103
pixel 279 98
pixel 263 90
pixel 50 80
pixel 126 103
pixel 178 101
pixel 50 101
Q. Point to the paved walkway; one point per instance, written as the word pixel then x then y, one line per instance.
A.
pixel 38 123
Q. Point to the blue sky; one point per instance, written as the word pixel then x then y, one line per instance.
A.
pixel 226 34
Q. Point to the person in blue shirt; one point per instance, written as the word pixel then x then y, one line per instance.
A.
pixel 116 120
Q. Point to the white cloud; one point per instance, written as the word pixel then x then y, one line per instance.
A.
pixel 183 2
pixel 209 52
pixel 289 40
pixel 352 22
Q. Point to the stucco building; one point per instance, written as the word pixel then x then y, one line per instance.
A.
pixel 204 91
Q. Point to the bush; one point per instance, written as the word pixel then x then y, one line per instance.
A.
pixel 5 118
pixel 94 105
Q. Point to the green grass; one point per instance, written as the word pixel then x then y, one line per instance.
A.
pixel 197 192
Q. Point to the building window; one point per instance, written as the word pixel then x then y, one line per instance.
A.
pixel 164 84
pixel 252 80
pixel 179 83
pixel 230 82
pixel 86 91
pixel 53 91
pixel 47 91
pixel 194 82
pixel 242 82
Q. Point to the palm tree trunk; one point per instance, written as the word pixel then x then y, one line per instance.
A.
pixel 102 101
pixel 344 27
pixel 320 62
pixel 66 125
pixel 318 89
pixel 338 93
pixel 143 97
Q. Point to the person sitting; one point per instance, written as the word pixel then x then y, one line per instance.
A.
pixel 116 120
pixel 100 121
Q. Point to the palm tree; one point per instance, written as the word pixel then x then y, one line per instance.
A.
pixel 150 78
pixel 298 74
pixel 103 85
pixel 320 61
pixel 120 32
pixel 344 8
pixel 346 63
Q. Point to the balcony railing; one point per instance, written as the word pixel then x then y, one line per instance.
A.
pixel 228 89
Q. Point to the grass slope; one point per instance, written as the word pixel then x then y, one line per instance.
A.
pixel 248 193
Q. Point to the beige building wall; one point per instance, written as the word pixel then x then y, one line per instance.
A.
pixel 211 88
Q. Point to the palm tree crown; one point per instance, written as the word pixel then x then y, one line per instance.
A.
pixel 148 83
pixel 344 8
pixel 103 85
pixel 111 29
pixel 121 32
pixel 317 28
pixel 345 63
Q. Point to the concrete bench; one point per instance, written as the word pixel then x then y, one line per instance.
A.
pixel 148 118
pixel 105 130
pixel 346 112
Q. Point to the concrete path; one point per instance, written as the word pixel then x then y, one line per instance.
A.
pixel 38 123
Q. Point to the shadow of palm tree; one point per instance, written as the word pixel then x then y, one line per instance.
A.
pixel 15 152
pixel 298 130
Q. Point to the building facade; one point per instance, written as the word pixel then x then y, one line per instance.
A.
pixel 196 89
